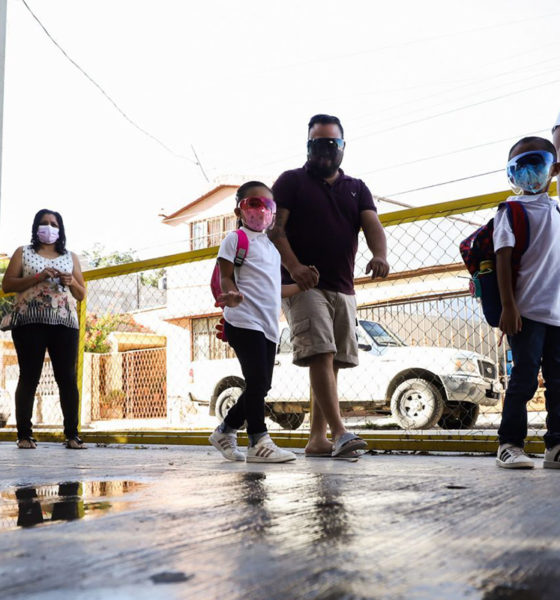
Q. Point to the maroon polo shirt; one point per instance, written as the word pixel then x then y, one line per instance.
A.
pixel 323 223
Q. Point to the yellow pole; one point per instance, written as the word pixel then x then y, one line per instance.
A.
pixel 82 312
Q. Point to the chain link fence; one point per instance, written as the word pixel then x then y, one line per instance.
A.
pixel 150 358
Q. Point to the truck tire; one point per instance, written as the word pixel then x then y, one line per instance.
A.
pixel 226 400
pixel 460 415
pixel 288 420
pixel 416 404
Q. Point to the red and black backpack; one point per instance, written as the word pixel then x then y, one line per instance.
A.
pixel 479 247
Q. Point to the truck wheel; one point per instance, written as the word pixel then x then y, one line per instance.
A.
pixel 459 415
pixel 226 400
pixel 416 404
pixel 288 420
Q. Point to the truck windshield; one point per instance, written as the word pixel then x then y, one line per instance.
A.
pixel 380 335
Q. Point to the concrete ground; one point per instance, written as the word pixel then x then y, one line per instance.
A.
pixel 179 522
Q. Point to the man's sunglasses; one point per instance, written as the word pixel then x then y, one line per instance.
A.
pixel 538 159
pixel 322 144
pixel 258 202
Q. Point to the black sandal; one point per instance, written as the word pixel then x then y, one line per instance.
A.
pixel 27 443
pixel 75 443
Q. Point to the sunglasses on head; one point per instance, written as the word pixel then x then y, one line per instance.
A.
pixel 258 202
pixel 326 144
pixel 535 158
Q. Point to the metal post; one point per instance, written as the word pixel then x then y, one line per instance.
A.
pixel 3 12
pixel 82 315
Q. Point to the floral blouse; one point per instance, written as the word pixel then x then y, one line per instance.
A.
pixel 48 302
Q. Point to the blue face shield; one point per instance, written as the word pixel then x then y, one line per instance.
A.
pixel 529 172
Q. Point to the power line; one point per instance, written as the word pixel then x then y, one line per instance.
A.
pixel 453 110
pixel 408 42
pixel 427 187
pixel 406 205
pixel 459 150
pixel 425 158
pixel 474 75
pixel 107 96
pixel 200 164
pixel 456 109
pixel 467 83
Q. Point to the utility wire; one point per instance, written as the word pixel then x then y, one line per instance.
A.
pixel 459 150
pixel 408 42
pixel 421 119
pixel 406 205
pixel 200 164
pixel 467 83
pixel 434 185
pixel 453 110
pixel 473 75
pixel 115 105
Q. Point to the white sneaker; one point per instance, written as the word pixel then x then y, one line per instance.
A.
pixel 552 458
pixel 266 451
pixel 226 443
pixel 513 457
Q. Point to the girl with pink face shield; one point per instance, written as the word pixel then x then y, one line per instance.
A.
pixel 251 296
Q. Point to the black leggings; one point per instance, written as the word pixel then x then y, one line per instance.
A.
pixel 256 355
pixel 31 341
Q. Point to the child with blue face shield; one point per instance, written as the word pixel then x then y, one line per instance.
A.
pixel 530 304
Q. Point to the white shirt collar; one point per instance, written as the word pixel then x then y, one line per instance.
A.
pixel 531 197
pixel 252 235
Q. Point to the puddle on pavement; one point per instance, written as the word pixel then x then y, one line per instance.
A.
pixel 32 505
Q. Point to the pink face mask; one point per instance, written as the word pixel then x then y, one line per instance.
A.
pixel 257 212
pixel 47 234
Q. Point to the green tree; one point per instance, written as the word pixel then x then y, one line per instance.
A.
pixel 152 278
pixel 98 256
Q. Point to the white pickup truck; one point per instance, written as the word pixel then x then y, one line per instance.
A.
pixel 421 386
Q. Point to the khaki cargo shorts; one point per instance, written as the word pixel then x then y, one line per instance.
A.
pixel 322 322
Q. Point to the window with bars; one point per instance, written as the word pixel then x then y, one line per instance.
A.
pixel 205 344
pixel 210 232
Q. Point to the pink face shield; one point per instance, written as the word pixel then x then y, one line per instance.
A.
pixel 257 212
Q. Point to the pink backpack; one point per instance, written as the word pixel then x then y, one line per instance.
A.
pixel 215 280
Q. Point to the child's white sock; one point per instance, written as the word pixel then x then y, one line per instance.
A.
pixel 225 428
pixel 255 437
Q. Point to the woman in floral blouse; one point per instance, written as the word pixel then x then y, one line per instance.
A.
pixel 48 280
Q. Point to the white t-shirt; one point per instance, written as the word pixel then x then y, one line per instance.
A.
pixel 537 292
pixel 259 280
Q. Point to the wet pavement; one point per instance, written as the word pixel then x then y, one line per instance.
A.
pixel 178 522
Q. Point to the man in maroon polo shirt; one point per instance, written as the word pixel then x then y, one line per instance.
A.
pixel 320 211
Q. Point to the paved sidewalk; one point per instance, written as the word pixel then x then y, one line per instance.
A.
pixel 179 522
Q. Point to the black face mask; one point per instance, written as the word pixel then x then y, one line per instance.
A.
pixel 324 156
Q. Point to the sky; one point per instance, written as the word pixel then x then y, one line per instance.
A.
pixel 428 92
